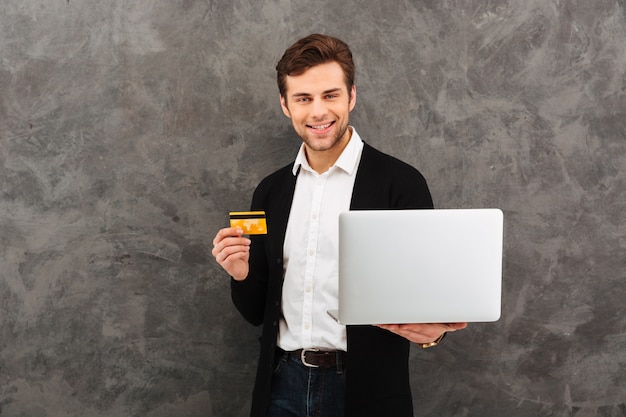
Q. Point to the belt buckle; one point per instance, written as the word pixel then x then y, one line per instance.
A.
pixel 303 357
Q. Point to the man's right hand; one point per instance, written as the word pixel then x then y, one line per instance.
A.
pixel 232 251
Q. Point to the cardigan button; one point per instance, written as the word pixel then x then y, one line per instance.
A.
pixel 278 260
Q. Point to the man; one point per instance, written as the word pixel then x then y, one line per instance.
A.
pixel 287 280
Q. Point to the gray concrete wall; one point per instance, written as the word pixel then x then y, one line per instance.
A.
pixel 128 130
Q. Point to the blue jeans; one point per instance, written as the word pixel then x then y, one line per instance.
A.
pixel 301 391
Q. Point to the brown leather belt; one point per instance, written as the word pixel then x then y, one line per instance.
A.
pixel 320 358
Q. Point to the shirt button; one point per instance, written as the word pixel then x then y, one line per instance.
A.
pixel 307 326
pixel 314 216
pixel 311 252
pixel 308 289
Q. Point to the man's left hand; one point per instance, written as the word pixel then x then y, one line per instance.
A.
pixel 422 333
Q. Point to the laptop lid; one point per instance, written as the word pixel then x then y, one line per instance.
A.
pixel 420 266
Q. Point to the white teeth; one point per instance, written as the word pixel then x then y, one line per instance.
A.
pixel 321 127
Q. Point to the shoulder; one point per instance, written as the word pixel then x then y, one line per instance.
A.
pixel 383 181
pixel 277 177
pixel 373 161
pixel 274 183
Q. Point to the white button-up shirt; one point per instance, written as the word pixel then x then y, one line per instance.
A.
pixel 311 251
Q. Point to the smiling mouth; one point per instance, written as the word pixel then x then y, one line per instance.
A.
pixel 321 127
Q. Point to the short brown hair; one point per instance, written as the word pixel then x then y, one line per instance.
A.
pixel 314 50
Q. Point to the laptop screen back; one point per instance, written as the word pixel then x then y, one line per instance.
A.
pixel 420 266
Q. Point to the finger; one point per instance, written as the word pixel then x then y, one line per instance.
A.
pixel 420 332
pixel 415 336
pixel 423 329
pixel 226 233
pixel 453 327
pixel 231 253
pixel 390 327
pixel 227 242
pixel 427 332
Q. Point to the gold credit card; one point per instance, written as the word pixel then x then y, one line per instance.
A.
pixel 251 222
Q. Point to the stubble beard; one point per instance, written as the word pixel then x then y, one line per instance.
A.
pixel 315 145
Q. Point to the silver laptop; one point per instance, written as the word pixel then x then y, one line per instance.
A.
pixel 420 266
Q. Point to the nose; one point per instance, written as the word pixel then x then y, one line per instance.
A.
pixel 318 110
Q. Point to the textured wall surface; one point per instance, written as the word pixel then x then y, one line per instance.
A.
pixel 128 130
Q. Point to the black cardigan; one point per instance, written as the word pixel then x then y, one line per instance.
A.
pixel 377 378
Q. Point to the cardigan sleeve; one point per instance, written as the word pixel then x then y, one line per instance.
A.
pixel 249 296
pixel 257 296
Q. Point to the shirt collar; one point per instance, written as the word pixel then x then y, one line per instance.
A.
pixel 347 161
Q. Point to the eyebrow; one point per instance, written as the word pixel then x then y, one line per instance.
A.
pixel 332 90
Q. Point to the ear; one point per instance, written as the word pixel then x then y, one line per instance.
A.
pixel 283 105
pixel 353 97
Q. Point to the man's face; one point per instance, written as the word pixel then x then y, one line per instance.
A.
pixel 318 103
